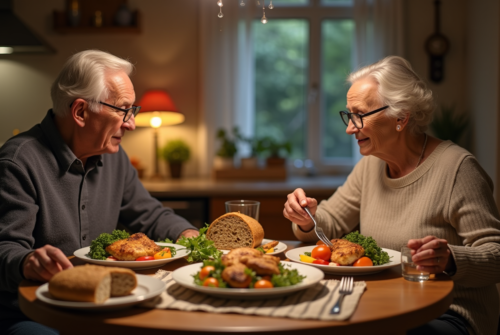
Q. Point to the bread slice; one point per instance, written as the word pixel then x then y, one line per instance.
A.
pixel 92 283
pixel 235 230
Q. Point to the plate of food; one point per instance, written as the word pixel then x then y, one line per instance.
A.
pixel 97 288
pixel 355 254
pixel 246 273
pixel 137 251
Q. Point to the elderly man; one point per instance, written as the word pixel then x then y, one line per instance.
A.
pixel 67 180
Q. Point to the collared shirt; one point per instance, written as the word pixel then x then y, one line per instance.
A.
pixel 48 197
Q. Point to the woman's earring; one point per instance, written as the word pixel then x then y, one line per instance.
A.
pixel 398 127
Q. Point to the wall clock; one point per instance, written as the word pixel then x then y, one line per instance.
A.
pixel 436 46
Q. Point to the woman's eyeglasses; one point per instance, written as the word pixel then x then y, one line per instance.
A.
pixel 357 119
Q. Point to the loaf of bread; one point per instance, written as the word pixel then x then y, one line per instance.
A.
pixel 92 283
pixel 235 230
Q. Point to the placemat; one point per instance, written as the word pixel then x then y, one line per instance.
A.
pixel 312 303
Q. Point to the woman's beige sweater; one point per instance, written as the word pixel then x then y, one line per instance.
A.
pixel 448 196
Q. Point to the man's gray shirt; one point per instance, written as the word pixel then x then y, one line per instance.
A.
pixel 48 197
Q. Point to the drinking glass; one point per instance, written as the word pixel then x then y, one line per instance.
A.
pixel 247 207
pixel 409 268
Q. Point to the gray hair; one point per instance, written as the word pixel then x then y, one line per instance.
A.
pixel 400 88
pixel 83 76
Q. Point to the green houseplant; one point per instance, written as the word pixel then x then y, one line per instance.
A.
pixel 450 125
pixel 276 150
pixel 227 150
pixel 175 153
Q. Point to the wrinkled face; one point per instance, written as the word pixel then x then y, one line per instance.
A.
pixel 104 130
pixel 378 129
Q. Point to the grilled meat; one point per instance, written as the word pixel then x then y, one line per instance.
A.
pixel 345 252
pixel 263 266
pixel 270 245
pixel 235 255
pixel 137 245
pixel 235 276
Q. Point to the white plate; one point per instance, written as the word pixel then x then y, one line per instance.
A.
pixel 395 257
pixel 142 265
pixel 281 247
pixel 147 287
pixel 184 277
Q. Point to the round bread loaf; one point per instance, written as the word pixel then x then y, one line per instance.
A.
pixel 235 230
pixel 92 283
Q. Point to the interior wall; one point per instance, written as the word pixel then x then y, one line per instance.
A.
pixel 165 55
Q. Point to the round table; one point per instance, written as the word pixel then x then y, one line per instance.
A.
pixel 390 305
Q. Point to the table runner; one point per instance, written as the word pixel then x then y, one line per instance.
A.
pixel 312 303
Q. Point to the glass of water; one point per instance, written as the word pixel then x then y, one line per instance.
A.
pixel 247 207
pixel 409 268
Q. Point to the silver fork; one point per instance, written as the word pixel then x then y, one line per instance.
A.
pixel 319 231
pixel 346 288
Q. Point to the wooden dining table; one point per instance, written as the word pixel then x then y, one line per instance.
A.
pixel 389 305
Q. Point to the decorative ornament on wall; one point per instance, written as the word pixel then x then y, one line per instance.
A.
pixel 437 46
pixel 242 4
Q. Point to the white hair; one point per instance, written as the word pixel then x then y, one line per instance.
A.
pixel 83 76
pixel 400 88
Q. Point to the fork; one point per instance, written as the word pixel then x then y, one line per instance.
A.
pixel 319 231
pixel 346 288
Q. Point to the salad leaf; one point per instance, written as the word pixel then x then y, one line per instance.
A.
pixel 372 250
pixel 200 247
pixel 167 240
pixel 98 246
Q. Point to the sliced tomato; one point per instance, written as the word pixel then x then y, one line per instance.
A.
pixel 321 262
pixel 145 258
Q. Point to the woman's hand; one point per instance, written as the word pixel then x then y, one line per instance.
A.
pixel 44 263
pixel 294 209
pixel 431 254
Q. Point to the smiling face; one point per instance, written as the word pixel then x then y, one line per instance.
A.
pixel 374 138
pixel 105 129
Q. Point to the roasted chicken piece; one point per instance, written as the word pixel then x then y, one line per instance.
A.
pixel 263 266
pixel 235 255
pixel 272 258
pixel 137 245
pixel 345 252
pixel 235 276
pixel 270 245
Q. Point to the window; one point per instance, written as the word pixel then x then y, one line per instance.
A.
pixel 301 59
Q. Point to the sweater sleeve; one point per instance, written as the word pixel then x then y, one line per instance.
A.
pixel 141 212
pixel 474 215
pixel 339 214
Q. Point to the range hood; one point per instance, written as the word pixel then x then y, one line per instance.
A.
pixel 15 36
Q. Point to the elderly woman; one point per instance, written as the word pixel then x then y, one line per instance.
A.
pixel 416 190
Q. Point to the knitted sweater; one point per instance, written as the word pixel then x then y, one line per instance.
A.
pixel 448 196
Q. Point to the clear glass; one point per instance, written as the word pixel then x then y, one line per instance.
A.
pixel 284 3
pixel 409 269
pixel 281 56
pixel 336 64
pixel 247 207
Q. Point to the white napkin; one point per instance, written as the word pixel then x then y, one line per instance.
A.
pixel 312 303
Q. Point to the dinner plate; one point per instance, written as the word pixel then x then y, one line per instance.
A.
pixel 281 247
pixel 141 265
pixel 184 277
pixel 395 260
pixel 147 288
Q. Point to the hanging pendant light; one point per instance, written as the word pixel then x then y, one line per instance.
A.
pixel 242 4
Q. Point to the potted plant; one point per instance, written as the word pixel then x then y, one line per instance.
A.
pixel 449 125
pixel 175 153
pixel 225 155
pixel 275 150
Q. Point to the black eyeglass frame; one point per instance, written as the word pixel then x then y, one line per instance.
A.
pixel 128 115
pixel 349 116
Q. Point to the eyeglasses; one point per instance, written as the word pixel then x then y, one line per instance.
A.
pixel 357 119
pixel 128 111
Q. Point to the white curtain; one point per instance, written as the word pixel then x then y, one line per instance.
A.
pixel 226 75
pixel 379 30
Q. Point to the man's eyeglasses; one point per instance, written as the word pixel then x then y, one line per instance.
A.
pixel 357 119
pixel 128 111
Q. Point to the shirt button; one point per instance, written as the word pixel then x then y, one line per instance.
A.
pixel 83 207
pixel 84 237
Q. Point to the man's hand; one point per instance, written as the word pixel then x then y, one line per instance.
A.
pixel 431 254
pixel 45 262
pixel 190 233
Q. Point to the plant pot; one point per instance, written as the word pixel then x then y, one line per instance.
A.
pixel 223 163
pixel 275 161
pixel 175 169
pixel 249 163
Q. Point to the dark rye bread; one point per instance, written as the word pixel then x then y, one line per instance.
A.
pixel 235 230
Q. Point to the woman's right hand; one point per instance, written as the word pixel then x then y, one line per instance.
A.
pixel 294 209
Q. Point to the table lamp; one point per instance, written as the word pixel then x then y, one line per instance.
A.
pixel 157 110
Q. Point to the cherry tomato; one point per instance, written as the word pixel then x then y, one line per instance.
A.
pixel 321 262
pixel 322 252
pixel 320 243
pixel 263 284
pixel 363 261
pixel 212 282
pixel 206 271
pixel 145 258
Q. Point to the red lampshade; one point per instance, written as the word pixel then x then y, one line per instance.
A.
pixel 156 106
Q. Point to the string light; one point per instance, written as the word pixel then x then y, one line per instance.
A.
pixel 242 4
